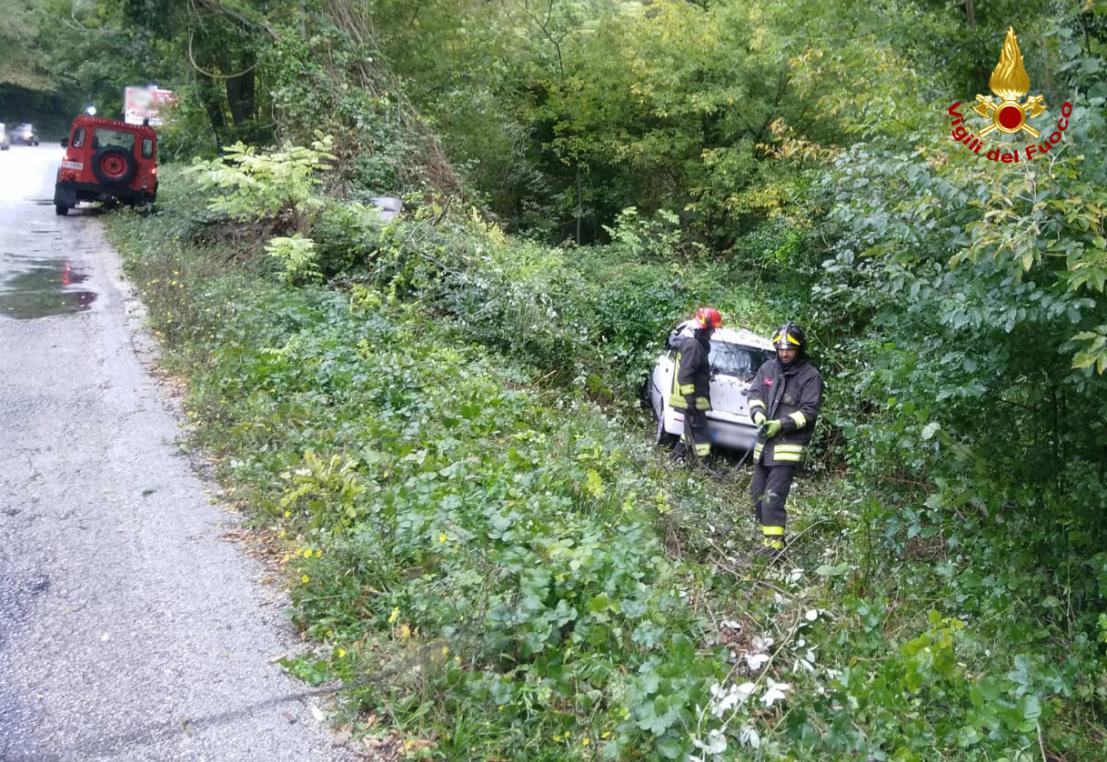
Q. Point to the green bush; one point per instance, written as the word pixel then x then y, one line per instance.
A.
pixel 252 186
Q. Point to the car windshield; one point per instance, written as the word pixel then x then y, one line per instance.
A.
pixel 737 360
pixel 104 137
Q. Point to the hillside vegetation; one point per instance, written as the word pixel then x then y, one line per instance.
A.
pixel 434 420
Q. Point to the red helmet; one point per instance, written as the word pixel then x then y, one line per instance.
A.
pixel 709 318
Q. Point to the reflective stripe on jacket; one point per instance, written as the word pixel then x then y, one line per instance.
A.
pixel 791 396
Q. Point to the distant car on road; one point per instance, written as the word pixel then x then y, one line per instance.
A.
pixel 25 134
pixel 5 141
pixel 735 356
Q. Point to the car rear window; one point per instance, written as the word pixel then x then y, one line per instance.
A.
pixel 104 137
pixel 78 137
pixel 737 360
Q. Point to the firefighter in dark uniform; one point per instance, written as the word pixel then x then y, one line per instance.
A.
pixel 784 401
pixel 691 390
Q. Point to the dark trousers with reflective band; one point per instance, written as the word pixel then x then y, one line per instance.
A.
pixel 695 436
pixel 770 488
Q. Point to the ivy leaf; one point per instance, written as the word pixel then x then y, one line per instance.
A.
pixel 658 715
pixel 669 747
pixel 1031 711
pixel 826 570
pixel 599 603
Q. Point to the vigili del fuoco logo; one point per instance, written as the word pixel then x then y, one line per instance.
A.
pixel 1010 115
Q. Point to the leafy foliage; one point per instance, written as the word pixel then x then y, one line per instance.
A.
pixel 19 66
pixel 298 258
pixel 437 428
pixel 260 185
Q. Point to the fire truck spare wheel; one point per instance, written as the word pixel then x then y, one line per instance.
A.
pixel 113 165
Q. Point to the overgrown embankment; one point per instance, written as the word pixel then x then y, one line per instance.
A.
pixel 427 414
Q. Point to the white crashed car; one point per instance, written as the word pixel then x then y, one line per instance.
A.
pixel 735 357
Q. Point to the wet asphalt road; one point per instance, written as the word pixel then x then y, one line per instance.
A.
pixel 129 630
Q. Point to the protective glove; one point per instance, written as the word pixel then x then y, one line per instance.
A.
pixel 758 418
pixel 772 428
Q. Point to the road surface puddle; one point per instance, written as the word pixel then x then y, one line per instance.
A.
pixel 48 287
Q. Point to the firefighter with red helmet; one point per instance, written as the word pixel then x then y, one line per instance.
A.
pixel 784 401
pixel 691 392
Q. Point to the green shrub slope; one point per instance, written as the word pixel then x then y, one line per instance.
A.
pixel 491 557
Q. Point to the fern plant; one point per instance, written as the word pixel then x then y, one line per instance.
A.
pixel 253 185
pixel 298 257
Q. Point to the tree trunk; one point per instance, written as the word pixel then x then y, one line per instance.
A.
pixel 213 105
pixel 241 96
pixel 970 15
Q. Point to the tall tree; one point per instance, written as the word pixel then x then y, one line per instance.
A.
pixel 21 62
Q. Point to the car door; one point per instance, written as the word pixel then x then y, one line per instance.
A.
pixel 661 380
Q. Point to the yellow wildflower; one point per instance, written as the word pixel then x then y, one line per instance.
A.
pixel 394 615
pixel 342 653
pixel 442 537
pixel 585 741
pixel 405 632
pixel 305 578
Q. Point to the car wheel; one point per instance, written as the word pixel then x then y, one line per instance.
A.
pixel 61 210
pixel 661 436
pixel 114 166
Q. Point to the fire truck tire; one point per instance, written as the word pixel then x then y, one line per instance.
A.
pixel 113 165
pixel 61 210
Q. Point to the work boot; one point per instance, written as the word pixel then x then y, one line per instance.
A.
pixel 679 453
pixel 768 556
pixel 771 551
pixel 710 465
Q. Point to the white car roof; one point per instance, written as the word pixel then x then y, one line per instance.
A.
pixel 742 336
pixel 732 336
